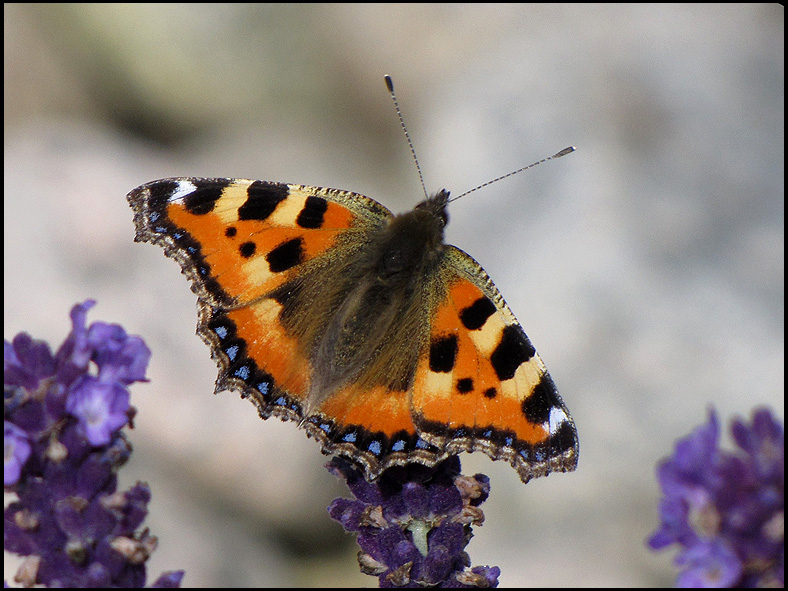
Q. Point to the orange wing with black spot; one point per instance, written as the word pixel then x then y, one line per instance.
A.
pixel 248 247
pixel 483 387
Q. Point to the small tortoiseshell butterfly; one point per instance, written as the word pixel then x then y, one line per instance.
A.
pixel 386 344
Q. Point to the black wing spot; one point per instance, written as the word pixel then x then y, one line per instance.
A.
pixel 286 256
pixel 203 199
pixel 311 216
pixel 542 400
pixel 465 385
pixel 474 316
pixel 262 199
pixel 443 353
pixel 513 350
pixel 247 249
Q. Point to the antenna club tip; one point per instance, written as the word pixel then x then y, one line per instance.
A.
pixel 389 83
pixel 565 151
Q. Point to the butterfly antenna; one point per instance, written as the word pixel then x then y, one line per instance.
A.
pixel 563 152
pixel 390 86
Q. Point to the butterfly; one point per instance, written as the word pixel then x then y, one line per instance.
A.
pixel 383 342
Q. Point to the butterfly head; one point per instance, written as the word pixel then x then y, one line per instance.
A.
pixel 413 241
pixel 436 204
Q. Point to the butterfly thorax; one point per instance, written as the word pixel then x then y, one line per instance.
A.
pixel 377 331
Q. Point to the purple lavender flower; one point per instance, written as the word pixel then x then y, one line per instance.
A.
pixel 63 446
pixel 726 510
pixel 414 522
pixel 100 407
pixel 16 445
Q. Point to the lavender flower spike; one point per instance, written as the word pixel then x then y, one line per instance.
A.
pixel 63 442
pixel 726 510
pixel 414 522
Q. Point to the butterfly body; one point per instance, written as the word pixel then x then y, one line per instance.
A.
pixel 367 327
pixel 386 344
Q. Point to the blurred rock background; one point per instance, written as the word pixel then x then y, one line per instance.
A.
pixel 648 268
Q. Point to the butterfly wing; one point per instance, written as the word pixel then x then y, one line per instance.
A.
pixel 482 386
pixel 236 239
